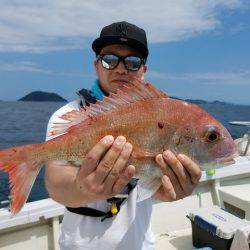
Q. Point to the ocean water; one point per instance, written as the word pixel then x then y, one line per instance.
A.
pixel 25 123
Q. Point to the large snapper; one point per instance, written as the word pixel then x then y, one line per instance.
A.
pixel 147 117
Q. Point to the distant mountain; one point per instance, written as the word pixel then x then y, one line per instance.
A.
pixel 219 102
pixel 198 101
pixel 40 96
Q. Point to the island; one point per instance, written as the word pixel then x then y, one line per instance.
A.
pixel 199 101
pixel 40 96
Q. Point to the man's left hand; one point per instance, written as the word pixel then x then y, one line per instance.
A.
pixel 180 176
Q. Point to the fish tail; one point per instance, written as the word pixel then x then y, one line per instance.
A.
pixel 22 173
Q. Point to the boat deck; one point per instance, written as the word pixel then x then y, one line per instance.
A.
pixel 180 240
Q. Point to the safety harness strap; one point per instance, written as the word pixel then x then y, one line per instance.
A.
pixel 117 202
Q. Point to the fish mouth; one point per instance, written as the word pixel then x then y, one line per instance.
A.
pixel 220 162
pixel 216 165
pixel 228 160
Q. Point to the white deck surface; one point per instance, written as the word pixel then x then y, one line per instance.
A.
pixel 180 240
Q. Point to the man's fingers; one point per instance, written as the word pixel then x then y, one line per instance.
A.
pixel 123 179
pixel 161 163
pixel 118 167
pixel 108 161
pixel 94 156
pixel 168 171
pixel 166 191
pixel 168 188
pixel 175 164
pixel 181 175
pixel 191 167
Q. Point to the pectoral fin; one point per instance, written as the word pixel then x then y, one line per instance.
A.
pixel 147 188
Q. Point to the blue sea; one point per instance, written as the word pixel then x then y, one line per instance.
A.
pixel 25 123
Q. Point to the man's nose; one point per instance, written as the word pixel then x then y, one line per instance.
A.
pixel 120 68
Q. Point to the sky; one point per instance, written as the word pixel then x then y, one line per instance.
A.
pixel 199 49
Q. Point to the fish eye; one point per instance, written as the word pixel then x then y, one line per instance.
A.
pixel 212 136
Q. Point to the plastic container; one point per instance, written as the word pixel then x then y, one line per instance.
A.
pixel 214 227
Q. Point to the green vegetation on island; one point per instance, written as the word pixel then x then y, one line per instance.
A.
pixel 40 96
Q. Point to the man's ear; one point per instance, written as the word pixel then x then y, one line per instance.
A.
pixel 95 62
pixel 145 68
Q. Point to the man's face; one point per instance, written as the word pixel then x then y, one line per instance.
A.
pixel 111 80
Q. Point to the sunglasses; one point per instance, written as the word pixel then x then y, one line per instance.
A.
pixel 110 61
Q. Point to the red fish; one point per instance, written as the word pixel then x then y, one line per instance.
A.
pixel 147 117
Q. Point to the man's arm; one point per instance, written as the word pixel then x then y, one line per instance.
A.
pixel 103 174
pixel 180 176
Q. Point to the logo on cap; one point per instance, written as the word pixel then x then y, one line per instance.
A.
pixel 123 29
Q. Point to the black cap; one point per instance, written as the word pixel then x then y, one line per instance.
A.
pixel 122 33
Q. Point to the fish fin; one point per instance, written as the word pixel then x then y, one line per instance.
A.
pixel 136 91
pixel 22 174
pixel 140 153
pixel 147 188
pixel 69 120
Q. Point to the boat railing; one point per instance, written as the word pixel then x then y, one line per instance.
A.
pixel 245 139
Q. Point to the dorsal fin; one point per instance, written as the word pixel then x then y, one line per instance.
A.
pixel 136 91
pixel 69 119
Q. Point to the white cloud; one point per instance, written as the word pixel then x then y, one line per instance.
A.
pixel 44 25
pixel 233 78
pixel 31 67
pixel 23 66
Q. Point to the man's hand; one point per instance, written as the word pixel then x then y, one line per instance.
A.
pixel 180 176
pixel 104 172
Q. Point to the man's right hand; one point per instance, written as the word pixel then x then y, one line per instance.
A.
pixel 103 174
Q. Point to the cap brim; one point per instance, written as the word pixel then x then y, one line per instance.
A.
pixel 102 42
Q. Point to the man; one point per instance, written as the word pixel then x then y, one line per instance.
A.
pixel 121 53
